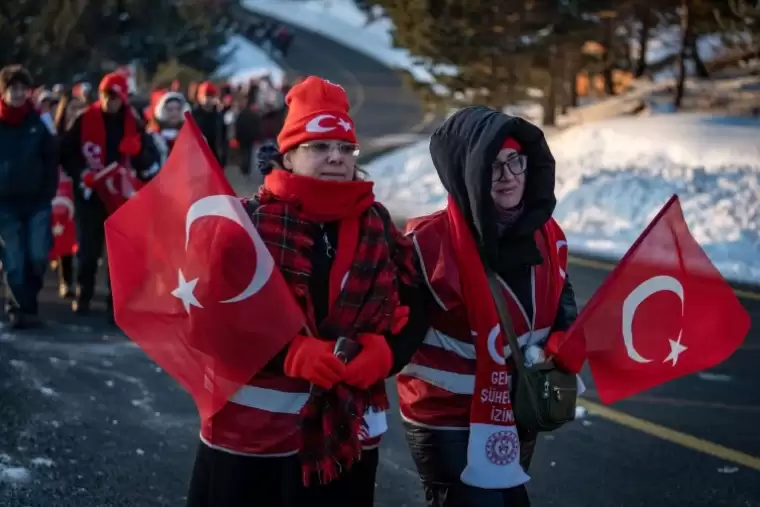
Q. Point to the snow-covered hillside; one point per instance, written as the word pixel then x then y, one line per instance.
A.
pixel 247 60
pixel 613 176
pixel 342 22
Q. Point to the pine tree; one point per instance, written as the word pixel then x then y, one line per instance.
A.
pixel 60 39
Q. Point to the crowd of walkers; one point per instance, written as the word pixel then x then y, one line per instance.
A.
pixel 52 138
pixel 451 308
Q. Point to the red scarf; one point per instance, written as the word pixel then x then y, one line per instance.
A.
pixel 94 137
pixel 14 116
pixel 327 201
pixel 493 449
pixel 321 200
pixel 330 422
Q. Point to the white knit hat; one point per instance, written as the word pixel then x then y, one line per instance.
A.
pixel 158 111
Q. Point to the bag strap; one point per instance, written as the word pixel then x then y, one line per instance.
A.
pixel 506 321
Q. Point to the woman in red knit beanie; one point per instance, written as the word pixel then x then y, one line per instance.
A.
pixel 305 430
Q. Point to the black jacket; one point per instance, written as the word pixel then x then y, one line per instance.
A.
pixel 211 124
pixel 28 162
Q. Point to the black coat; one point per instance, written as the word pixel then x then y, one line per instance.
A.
pixel 211 124
pixel 28 162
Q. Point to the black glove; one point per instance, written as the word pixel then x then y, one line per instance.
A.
pixel 265 155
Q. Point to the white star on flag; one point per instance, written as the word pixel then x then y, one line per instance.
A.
pixel 676 349
pixel 58 230
pixel 346 125
pixel 184 292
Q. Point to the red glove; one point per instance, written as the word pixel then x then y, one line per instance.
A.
pixel 88 178
pixel 372 364
pixel 130 145
pixel 312 359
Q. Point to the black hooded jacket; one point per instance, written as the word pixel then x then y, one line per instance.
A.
pixel 463 151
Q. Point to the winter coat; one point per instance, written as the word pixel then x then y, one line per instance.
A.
pixel 242 428
pixel 248 127
pixel 463 150
pixel 28 161
pixel 213 129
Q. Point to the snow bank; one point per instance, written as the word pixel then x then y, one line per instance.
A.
pixel 613 177
pixel 247 61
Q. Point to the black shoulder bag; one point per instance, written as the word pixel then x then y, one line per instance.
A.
pixel 544 396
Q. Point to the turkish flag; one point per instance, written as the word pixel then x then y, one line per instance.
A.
pixel 115 185
pixel 63 225
pixel 664 312
pixel 193 283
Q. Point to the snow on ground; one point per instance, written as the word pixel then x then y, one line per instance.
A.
pixel 11 472
pixel 343 22
pixel 246 61
pixel 666 42
pixel 613 177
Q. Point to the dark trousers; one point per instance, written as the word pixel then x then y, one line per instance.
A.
pixel 246 158
pixel 221 479
pixel 27 239
pixel 440 457
pixel 66 270
pixel 90 216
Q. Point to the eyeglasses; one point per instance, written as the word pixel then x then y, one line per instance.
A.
pixel 324 148
pixel 515 165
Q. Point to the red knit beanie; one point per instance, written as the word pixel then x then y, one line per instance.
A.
pixel 207 89
pixel 317 109
pixel 511 143
pixel 115 83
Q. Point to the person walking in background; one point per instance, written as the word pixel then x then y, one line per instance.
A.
pixel 68 108
pixel 167 119
pixel 107 131
pixel 210 120
pixel 47 103
pixel 248 133
pixel 82 91
pixel 28 181
pixel 192 94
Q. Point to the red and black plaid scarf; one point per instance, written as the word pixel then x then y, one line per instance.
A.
pixel 364 302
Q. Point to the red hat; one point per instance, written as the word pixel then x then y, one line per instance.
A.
pixel 317 109
pixel 511 143
pixel 81 89
pixel 207 89
pixel 117 83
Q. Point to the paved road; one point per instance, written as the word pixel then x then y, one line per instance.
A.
pixel 85 417
pixel 87 420
pixel 380 105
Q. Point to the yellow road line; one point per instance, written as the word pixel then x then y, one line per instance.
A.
pixel 608 266
pixel 673 436
pixel 679 402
